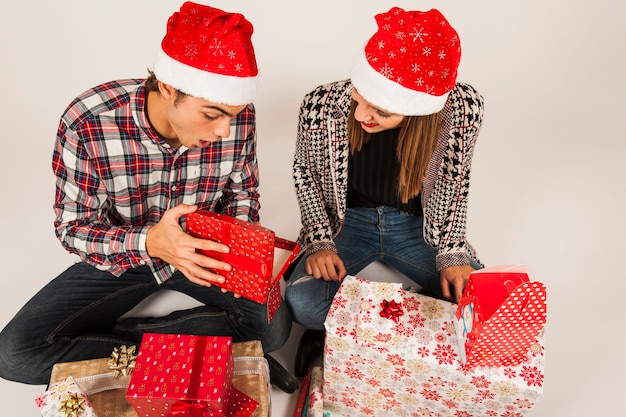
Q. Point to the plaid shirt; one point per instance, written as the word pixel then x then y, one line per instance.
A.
pixel 116 177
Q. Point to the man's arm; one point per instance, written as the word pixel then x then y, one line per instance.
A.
pixel 82 210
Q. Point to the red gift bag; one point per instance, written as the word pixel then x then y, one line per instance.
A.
pixel 251 255
pixel 500 315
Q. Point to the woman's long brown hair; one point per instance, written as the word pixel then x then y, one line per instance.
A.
pixel 416 144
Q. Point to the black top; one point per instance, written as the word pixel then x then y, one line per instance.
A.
pixel 373 175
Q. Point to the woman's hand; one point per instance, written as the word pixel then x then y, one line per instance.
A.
pixel 455 277
pixel 325 264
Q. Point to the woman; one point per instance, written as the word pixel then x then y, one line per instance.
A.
pixel 382 168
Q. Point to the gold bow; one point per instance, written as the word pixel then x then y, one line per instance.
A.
pixel 122 361
pixel 73 406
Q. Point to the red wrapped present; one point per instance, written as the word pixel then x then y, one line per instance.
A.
pixel 251 255
pixel 105 381
pixel 182 374
pixel 499 316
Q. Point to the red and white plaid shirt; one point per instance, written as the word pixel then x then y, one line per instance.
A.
pixel 116 177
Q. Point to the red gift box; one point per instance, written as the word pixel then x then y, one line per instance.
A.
pixel 183 374
pixel 499 316
pixel 251 255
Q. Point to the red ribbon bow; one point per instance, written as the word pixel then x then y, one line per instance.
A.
pixel 391 310
pixel 190 409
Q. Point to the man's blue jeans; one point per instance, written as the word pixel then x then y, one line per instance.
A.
pixel 75 317
pixel 368 234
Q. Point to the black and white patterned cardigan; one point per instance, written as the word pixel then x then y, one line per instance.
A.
pixel 320 171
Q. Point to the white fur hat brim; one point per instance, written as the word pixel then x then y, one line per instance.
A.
pixel 391 96
pixel 217 88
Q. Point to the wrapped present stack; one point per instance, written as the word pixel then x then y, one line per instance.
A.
pixel 393 352
pixel 98 387
pixel 102 381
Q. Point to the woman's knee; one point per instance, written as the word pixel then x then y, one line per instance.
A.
pixel 309 300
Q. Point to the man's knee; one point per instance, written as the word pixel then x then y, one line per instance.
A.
pixel 278 330
pixel 12 363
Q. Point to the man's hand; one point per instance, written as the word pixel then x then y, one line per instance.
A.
pixel 325 264
pixel 455 277
pixel 167 240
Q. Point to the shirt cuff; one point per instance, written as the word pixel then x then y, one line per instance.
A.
pixel 317 246
pixel 445 260
pixel 135 246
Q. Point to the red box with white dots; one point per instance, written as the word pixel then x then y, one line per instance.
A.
pixel 252 249
pixel 186 374
pixel 499 316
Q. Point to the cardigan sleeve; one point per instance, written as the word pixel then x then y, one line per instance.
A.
pixel 320 165
pixel 446 192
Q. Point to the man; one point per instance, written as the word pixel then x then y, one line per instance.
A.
pixel 132 158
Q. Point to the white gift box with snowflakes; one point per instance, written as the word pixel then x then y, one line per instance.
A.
pixel 393 352
pixel 64 399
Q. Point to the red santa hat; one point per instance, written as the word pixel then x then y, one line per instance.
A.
pixel 410 64
pixel 208 53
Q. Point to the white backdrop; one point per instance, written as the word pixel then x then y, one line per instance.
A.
pixel 548 186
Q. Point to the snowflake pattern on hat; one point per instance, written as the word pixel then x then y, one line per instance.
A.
pixel 209 39
pixel 418 50
pixel 208 53
pixel 410 64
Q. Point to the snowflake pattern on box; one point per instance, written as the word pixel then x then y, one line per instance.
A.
pixel 64 398
pixel 407 364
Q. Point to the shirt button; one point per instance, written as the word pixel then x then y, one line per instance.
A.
pixel 173 188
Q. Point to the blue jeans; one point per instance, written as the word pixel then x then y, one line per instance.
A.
pixel 76 317
pixel 368 235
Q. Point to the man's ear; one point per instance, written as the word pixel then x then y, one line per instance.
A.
pixel 166 90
